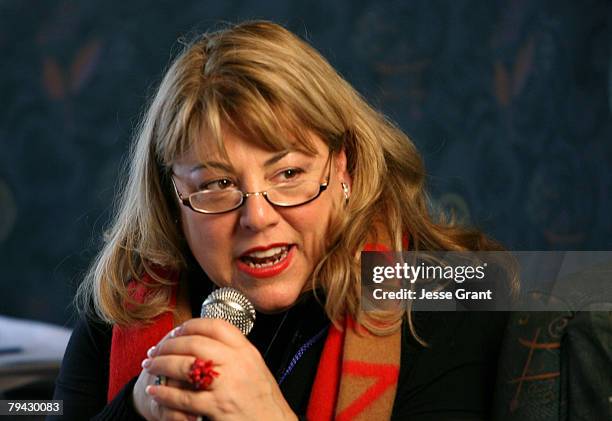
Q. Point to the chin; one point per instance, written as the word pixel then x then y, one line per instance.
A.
pixel 272 301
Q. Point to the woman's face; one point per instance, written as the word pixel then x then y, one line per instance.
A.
pixel 265 251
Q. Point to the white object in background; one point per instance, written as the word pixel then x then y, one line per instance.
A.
pixel 30 351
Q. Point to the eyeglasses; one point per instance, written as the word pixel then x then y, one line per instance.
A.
pixel 285 195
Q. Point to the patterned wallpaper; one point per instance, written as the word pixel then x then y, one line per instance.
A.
pixel 509 102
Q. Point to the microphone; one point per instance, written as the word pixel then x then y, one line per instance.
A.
pixel 227 304
pixel 230 305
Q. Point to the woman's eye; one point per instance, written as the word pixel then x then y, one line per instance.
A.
pixel 220 184
pixel 290 173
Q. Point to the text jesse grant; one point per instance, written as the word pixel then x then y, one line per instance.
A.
pixel 406 294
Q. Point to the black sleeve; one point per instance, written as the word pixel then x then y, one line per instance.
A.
pixel 82 383
pixel 453 378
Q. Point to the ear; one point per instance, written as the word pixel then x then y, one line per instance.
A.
pixel 341 168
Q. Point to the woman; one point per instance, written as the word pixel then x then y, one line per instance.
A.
pixel 258 167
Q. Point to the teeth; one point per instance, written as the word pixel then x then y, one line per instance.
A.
pixel 282 256
pixel 268 253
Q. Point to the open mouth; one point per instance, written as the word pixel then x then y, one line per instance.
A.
pixel 267 263
pixel 266 258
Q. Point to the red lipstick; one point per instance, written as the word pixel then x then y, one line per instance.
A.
pixel 266 271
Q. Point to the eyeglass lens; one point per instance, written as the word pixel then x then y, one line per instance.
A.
pixel 290 194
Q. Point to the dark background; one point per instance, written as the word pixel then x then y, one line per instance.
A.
pixel 509 102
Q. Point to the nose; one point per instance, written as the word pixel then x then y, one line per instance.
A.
pixel 257 214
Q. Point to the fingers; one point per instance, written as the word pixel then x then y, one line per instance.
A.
pixel 175 367
pixel 211 329
pixel 182 401
pixel 171 334
pixel 199 346
pixel 217 329
pixel 173 357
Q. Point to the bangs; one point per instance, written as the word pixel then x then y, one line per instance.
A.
pixel 245 111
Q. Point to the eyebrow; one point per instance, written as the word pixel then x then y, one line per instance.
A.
pixel 228 167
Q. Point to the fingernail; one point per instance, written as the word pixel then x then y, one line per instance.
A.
pixel 175 332
pixel 149 390
pixel 150 352
pixel 146 362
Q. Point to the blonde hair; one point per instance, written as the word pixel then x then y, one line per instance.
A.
pixel 264 82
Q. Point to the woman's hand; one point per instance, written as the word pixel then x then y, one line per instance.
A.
pixel 244 389
pixel 144 404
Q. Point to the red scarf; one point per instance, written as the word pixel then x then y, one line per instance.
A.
pixel 129 345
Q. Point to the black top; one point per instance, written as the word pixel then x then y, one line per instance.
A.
pixel 452 378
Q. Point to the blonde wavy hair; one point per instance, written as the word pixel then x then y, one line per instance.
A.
pixel 263 81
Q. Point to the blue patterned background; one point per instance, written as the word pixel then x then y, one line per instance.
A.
pixel 509 102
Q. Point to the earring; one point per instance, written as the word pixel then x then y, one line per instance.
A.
pixel 346 190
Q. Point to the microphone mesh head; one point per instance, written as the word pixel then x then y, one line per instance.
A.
pixel 232 306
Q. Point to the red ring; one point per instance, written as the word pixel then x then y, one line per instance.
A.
pixel 201 374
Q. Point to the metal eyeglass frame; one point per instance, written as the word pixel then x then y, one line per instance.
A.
pixel 185 201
